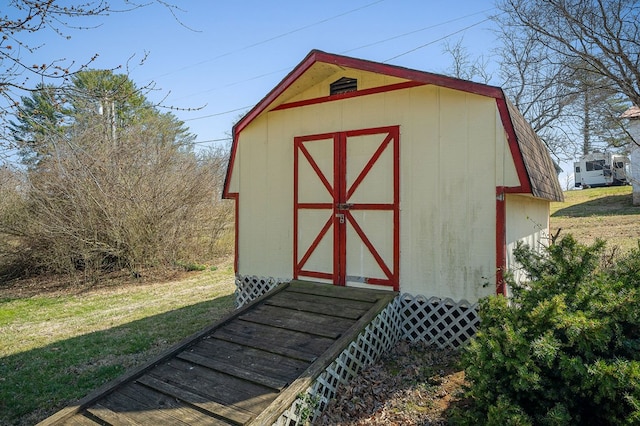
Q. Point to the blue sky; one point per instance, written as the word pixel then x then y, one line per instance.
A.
pixel 224 56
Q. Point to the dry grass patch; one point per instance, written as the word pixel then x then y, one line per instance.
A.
pixel 604 213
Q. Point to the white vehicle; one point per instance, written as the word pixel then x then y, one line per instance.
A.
pixel 602 169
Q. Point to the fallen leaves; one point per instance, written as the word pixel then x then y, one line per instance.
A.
pixel 415 384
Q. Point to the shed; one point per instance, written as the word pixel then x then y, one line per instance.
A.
pixel 365 174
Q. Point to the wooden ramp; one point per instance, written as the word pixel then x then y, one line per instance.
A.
pixel 245 370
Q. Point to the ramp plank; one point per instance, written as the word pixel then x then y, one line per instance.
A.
pixel 307 322
pixel 268 363
pixel 337 292
pixel 80 420
pixel 320 305
pixel 110 416
pixel 234 414
pixel 234 370
pixel 139 412
pixel 215 386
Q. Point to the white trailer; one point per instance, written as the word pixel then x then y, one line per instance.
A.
pixel 602 169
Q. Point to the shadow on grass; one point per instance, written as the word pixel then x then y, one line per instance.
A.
pixel 36 383
pixel 611 205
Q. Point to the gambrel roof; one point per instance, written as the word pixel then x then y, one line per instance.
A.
pixel 534 166
pixel 540 168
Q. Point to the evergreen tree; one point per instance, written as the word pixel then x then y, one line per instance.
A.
pixel 40 122
pixel 565 349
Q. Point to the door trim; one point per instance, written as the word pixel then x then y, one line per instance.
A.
pixel 336 185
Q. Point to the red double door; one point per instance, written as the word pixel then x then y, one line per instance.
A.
pixel 346 207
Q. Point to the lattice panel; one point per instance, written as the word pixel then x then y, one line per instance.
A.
pixel 442 322
pixel 251 287
pixel 377 338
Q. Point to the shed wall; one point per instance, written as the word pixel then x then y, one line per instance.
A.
pixel 634 157
pixel 527 222
pixel 453 155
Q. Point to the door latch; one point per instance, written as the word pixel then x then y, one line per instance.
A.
pixel 344 206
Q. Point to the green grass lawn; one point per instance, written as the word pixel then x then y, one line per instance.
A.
pixel 604 213
pixel 57 347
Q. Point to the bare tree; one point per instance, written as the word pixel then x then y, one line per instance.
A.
pixel 537 86
pixel 94 206
pixel 90 201
pixel 599 37
pixel 464 66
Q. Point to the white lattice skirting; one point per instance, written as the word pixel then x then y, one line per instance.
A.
pixel 441 322
pixel 249 288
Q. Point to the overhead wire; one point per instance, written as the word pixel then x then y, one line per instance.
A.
pixel 364 46
pixel 437 40
pixel 210 140
pixel 219 113
pixel 342 52
pixel 430 27
pixel 259 43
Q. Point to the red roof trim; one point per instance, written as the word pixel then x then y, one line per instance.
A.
pixel 516 154
pixel 364 92
pixel 227 177
pixel 361 64
pixel 409 74
pixel 414 76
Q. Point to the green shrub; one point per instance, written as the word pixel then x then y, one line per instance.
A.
pixel 565 349
pixel 191 266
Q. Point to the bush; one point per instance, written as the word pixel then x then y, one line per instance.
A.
pixel 565 349
pixel 191 266
pixel 107 182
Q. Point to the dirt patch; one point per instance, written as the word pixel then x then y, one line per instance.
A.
pixel 61 285
pixel 414 384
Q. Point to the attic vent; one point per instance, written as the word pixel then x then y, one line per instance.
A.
pixel 343 85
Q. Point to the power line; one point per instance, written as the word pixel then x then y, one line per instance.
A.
pixel 210 140
pixel 236 83
pixel 361 47
pixel 219 113
pixel 418 30
pixel 368 45
pixel 259 43
pixel 437 40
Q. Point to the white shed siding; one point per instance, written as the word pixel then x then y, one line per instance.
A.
pixel 453 155
pixel 634 157
pixel 527 222
pixel 265 203
pixel 448 225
